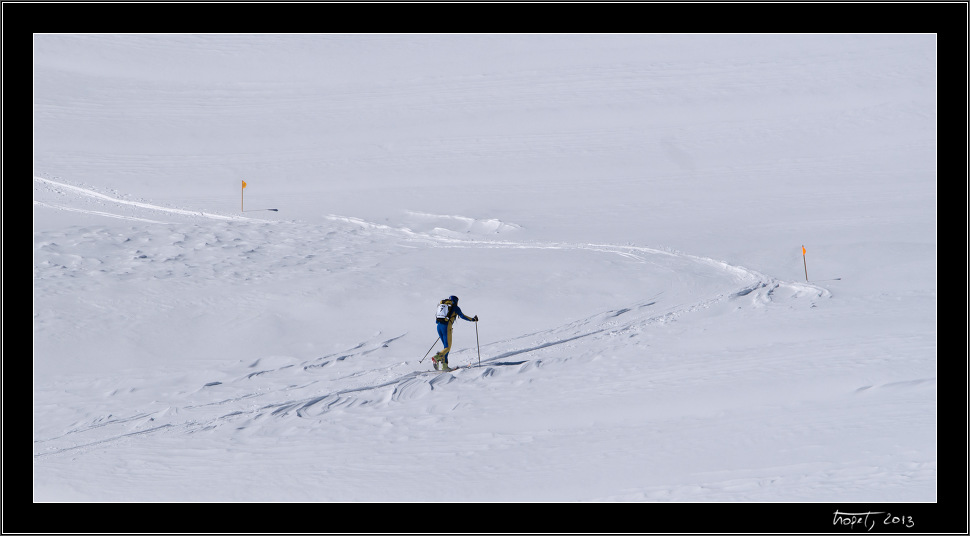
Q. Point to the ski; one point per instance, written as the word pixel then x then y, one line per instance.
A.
pixel 452 369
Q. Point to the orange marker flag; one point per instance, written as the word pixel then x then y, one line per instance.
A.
pixel 241 196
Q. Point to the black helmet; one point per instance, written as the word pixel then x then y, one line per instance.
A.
pixel 454 299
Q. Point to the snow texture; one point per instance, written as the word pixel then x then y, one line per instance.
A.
pixel 624 213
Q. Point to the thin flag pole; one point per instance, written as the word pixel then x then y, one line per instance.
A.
pixel 241 209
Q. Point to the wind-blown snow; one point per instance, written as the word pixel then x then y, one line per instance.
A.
pixel 625 214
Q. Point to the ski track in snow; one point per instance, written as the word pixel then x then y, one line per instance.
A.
pixel 321 385
pixel 56 187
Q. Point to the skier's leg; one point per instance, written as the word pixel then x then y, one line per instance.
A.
pixel 443 335
pixel 448 349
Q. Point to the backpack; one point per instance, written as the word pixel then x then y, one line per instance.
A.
pixel 444 311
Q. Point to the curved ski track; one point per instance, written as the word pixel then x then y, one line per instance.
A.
pixel 248 398
pixel 59 188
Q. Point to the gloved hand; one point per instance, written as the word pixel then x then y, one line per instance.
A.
pixel 475 319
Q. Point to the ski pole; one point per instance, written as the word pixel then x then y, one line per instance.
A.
pixel 429 349
pixel 478 345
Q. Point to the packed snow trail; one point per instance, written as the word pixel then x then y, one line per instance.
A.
pixel 52 193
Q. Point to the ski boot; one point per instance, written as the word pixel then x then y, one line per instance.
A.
pixel 439 361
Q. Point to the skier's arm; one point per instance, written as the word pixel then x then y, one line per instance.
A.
pixel 462 315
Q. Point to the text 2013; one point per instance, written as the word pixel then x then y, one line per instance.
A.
pixel 868 520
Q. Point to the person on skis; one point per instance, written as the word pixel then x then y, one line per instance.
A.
pixel 448 311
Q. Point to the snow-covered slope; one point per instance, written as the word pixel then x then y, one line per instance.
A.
pixel 625 214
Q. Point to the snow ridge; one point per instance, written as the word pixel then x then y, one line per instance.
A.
pixel 55 189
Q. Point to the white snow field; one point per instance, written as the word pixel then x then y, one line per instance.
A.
pixel 624 213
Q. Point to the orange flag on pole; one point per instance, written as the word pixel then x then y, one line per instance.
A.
pixel 241 197
pixel 244 184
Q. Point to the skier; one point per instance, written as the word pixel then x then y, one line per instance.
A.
pixel 448 310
